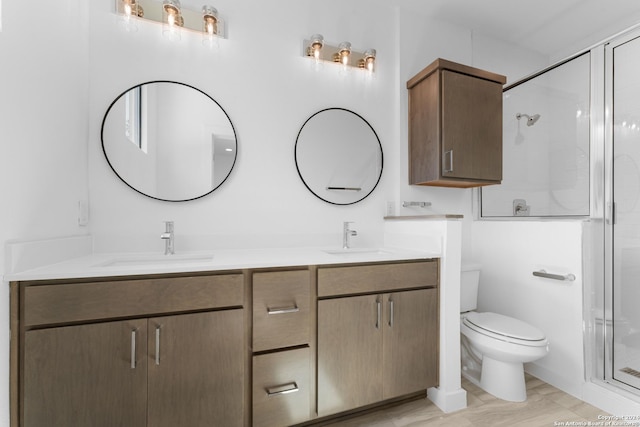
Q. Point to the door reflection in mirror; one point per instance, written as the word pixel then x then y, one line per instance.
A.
pixel 175 143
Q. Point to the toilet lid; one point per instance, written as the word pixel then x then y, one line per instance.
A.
pixel 504 325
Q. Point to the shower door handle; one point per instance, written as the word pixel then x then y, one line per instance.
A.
pixel 448 162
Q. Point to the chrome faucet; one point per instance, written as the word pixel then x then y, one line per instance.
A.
pixel 346 233
pixel 167 236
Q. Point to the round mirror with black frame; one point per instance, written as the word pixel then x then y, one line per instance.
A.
pixel 169 141
pixel 339 156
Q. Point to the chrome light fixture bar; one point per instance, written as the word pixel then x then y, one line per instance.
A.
pixel 317 49
pixel 173 17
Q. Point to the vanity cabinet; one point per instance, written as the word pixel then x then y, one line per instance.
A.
pixel 455 126
pixel 268 347
pixel 83 364
pixel 380 345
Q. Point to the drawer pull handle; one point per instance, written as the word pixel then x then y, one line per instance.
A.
pixel 283 310
pixel 282 389
pixel 133 348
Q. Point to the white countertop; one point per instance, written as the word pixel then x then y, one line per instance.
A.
pixel 123 264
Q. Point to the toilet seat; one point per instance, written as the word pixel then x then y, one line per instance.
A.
pixel 505 328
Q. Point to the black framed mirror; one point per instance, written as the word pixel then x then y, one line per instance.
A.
pixel 339 156
pixel 169 141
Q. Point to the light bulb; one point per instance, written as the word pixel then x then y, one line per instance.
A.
pixel 210 20
pixel 129 9
pixel 369 59
pixel 315 46
pixel 345 52
pixel 172 19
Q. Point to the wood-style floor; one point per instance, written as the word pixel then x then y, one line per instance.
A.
pixel 545 406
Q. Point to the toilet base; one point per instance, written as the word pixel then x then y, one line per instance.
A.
pixel 504 380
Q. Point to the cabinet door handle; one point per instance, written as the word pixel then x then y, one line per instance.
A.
pixel 158 345
pixel 378 312
pixel 448 167
pixel 133 348
pixel 283 310
pixel 390 312
pixel 291 387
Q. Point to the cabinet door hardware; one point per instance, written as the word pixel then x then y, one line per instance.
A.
pixel 158 345
pixel 283 310
pixel 391 312
pixel 133 348
pixel 291 387
pixel 448 165
pixel 378 312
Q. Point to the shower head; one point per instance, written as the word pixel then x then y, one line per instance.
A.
pixel 531 120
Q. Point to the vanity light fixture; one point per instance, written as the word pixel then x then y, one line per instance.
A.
pixel 174 17
pixel 316 48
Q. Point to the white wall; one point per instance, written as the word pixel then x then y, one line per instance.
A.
pixel 268 89
pixel 43 133
pixel 258 75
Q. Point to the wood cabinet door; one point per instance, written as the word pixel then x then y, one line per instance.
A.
pixel 410 356
pixel 78 376
pixel 349 353
pixel 196 369
pixel 471 127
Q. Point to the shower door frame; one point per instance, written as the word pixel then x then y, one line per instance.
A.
pixel 604 347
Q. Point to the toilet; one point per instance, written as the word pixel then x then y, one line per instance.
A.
pixel 494 347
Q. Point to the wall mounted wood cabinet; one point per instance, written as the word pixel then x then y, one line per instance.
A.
pixel 455 126
pixel 377 346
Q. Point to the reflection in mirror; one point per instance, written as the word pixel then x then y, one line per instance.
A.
pixel 169 141
pixel 339 156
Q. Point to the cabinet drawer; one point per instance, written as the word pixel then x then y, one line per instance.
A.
pixel 376 278
pixel 281 301
pixel 281 388
pixel 52 304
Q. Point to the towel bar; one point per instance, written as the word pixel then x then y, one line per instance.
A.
pixel 418 204
pixel 542 273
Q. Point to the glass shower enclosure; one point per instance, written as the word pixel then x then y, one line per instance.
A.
pixel 571 136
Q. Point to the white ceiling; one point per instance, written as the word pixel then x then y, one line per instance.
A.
pixel 547 26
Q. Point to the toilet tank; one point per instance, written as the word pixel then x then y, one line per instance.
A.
pixel 469 279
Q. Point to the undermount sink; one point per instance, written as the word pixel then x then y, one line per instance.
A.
pixel 356 251
pixel 157 260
